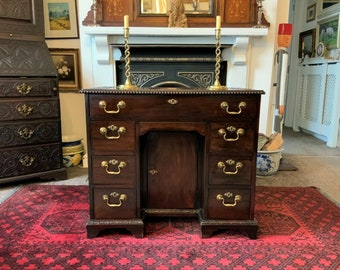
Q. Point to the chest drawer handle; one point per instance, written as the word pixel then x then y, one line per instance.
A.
pixel 225 106
pixel 25 110
pixel 221 197
pixel 120 105
pixel 24 89
pixel 25 133
pixel 27 161
pixel 223 132
pixel 122 197
pixel 230 162
pixel 113 162
pixel 119 131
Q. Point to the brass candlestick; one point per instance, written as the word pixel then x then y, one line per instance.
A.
pixel 128 85
pixel 217 85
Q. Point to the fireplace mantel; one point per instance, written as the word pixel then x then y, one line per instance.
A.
pixel 164 36
pixel 235 43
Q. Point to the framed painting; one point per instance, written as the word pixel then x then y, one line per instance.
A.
pixel 60 19
pixel 328 32
pixel 307 43
pixel 311 11
pixel 67 65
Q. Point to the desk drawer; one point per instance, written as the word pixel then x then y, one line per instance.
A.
pixel 230 170
pixel 109 137
pixel 114 203
pixel 235 137
pixel 172 107
pixel 229 203
pixel 114 170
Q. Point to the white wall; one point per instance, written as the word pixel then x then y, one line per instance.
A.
pixel 261 72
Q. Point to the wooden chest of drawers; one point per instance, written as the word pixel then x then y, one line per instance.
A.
pixel 172 152
pixel 30 129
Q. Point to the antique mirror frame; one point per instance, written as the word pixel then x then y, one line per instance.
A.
pixel 161 7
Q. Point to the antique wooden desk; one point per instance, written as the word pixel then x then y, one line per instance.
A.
pixel 172 152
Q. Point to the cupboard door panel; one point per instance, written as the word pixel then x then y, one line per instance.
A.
pixel 172 170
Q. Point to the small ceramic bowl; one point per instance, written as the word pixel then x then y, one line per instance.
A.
pixel 71 140
pixel 268 162
pixel 73 159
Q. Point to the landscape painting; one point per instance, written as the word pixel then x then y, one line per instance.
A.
pixel 60 19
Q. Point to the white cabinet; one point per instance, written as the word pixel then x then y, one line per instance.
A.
pixel 317 107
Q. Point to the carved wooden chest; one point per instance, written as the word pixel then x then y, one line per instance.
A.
pixel 30 128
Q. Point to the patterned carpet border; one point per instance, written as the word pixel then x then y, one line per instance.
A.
pixel 43 227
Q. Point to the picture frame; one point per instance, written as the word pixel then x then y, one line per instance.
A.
pixel 307 43
pixel 311 13
pixel 328 32
pixel 60 19
pixel 66 62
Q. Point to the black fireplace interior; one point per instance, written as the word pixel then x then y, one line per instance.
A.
pixel 166 66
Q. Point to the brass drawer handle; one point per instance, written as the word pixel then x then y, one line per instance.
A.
pixel 223 132
pixel 172 101
pixel 120 105
pixel 119 131
pixel 225 106
pixel 221 197
pixel 24 89
pixel 25 110
pixel 122 197
pixel 229 162
pixel 26 133
pixel 113 162
pixel 27 161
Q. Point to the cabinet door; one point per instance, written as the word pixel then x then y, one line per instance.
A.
pixel 172 165
pixel 311 88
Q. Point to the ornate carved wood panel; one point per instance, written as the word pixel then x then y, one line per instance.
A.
pixel 234 13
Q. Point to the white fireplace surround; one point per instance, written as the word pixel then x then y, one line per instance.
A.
pixel 235 45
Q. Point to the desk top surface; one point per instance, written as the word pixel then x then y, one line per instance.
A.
pixel 171 91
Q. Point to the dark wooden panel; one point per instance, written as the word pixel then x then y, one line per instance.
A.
pixel 172 170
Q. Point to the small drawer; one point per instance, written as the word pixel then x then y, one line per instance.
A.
pixel 109 137
pixel 28 87
pixel 114 203
pixel 230 170
pixel 235 138
pixel 26 133
pixel 114 170
pixel 229 203
pixel 29 108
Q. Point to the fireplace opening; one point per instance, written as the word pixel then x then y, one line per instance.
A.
pixel 165 66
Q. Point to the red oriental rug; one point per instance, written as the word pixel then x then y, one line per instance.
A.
pixel 43 227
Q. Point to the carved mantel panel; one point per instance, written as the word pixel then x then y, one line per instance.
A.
pixel 234 13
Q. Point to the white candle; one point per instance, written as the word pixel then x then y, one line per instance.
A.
pixel 126 21
pixel 218 22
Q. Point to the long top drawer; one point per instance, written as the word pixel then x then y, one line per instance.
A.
pixel 179 105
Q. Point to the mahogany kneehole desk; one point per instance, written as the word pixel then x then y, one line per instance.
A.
pixel 172 152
